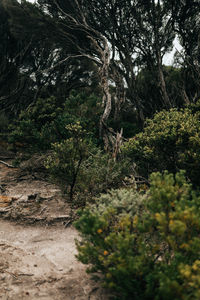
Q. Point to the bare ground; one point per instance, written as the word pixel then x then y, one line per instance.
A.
pixel 37 244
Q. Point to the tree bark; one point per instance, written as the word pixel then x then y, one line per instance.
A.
pixel 161 79
pixel 104 75
pixel 119 91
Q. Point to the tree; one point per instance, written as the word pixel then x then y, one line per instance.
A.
pixel 146 82
pixel 140 33
pixel 72 33
pixel 120 37
pixel 84 41
pixel 12 53
pixel 187 27
pixel 39 59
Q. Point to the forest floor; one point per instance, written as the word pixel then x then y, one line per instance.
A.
pixel 37 240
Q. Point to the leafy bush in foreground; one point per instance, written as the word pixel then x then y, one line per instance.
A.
pixel 170 141
pixel 145 247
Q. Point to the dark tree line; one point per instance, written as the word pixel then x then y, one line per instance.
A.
pixel 113 46
pixel 33 63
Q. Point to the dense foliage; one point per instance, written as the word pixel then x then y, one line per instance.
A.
pixel 140 35
pixel 78 80
pixel 169 141
pixel 83 168
pixel 145 247
pixel 45 122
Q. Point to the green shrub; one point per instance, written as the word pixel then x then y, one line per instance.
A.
pixel 145 246
pixel 170 141
pixel 100 172
pixel 36 126
pixel 64 163
pixel 45 121
pixel 86 109
pixel 82 168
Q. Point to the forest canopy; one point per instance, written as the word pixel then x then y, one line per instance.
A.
pixel 56 46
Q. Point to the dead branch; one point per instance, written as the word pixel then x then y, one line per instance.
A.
pixel 6 164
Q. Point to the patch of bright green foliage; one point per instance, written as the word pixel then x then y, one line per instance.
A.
pixel 170 141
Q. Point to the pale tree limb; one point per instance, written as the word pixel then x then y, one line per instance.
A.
pixel 6 164
pixel 97 51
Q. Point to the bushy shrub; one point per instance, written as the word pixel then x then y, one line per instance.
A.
pixel 64 163
pixel 45 121
pixel 36 126
pixel 81 167
pixel 86 109
pixel 170 141
pixel 100 172
pixel 145 246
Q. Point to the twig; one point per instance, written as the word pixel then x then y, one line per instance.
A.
pixel 10 273
pixel 42 210
pixel 25 274
pixel 6 164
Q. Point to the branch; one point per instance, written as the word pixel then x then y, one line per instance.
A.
pixel 66 59
pixel 6 164
pixel 64 13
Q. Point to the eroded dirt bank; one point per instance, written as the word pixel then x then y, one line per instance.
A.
pixel 37 245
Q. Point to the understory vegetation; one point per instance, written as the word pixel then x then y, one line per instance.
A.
pixel 145 245
pixel 119 130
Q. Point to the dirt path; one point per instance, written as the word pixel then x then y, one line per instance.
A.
pixel 38 261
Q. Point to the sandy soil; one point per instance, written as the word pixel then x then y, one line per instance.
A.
pixel 38 261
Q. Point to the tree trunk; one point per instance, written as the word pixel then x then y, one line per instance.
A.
pixel 72 186
pixel 119 97
pixel 106 101
pixel 161 79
